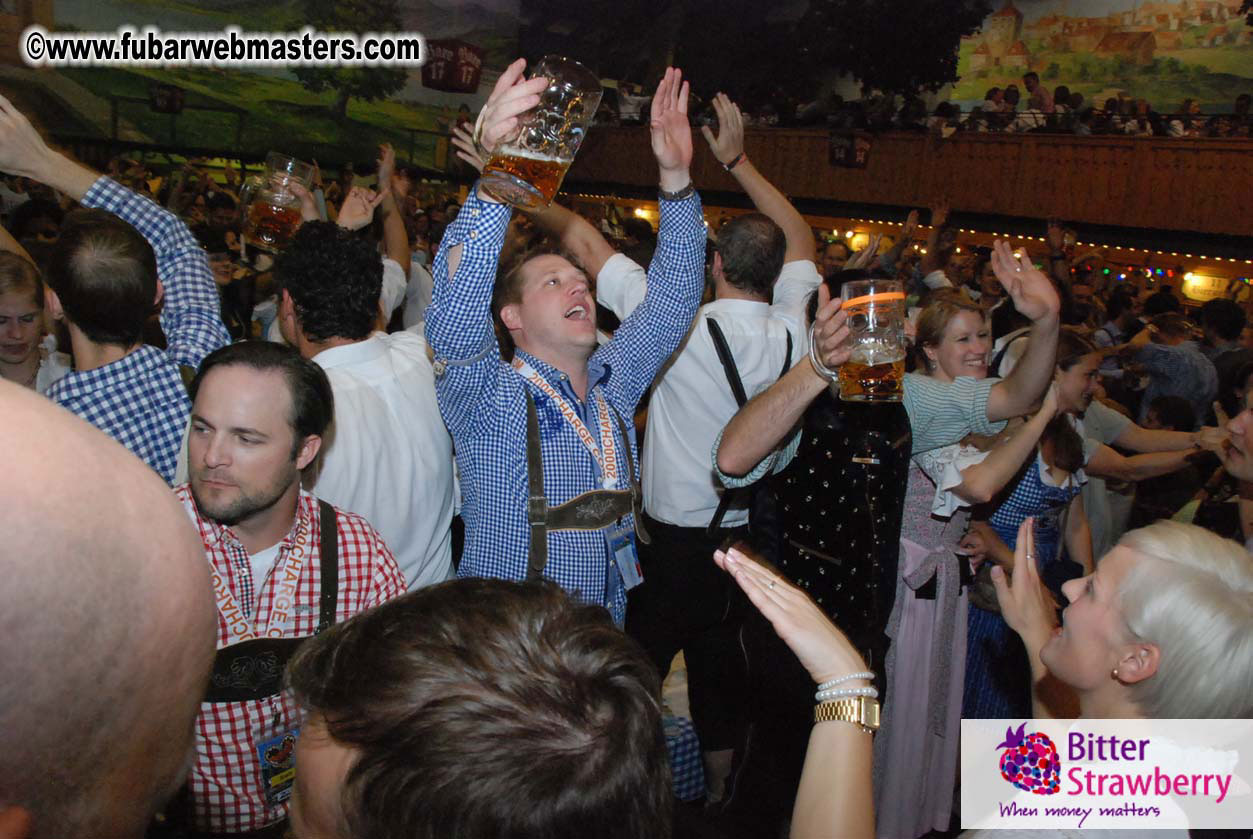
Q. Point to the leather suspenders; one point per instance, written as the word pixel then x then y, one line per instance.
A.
pixel 737 388
pixel 252 670
pixel 589 511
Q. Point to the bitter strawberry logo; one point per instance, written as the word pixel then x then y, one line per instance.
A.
pixel 1030 762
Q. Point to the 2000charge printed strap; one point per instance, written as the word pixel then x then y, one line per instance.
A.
pixel 253 669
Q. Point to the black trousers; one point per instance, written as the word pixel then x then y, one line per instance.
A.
pixel 687 603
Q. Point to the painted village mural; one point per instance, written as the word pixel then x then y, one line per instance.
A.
pixel 1162 51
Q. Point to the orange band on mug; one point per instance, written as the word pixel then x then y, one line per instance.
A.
pixel 881 297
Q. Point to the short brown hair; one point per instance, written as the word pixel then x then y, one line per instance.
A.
pixel 105 274
pixel 484 708
pixel 508 288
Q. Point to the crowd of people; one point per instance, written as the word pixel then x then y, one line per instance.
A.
pixel 1030 107
pixel 409 550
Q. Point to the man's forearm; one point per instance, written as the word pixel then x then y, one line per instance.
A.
pixel 1155 464
pixel 576 235
pixel 1106 463
pixel 63 174
pixel 673 180
pixel 1140 439
pixel 773 204
pixel 8 243
pixel 395 240
pixel 464 272
pixel 763 423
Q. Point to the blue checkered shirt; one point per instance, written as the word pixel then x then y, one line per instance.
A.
pixel 140 400
pixel 483 400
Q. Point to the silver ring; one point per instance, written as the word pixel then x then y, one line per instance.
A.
pixel 772 582
pixel 1030 557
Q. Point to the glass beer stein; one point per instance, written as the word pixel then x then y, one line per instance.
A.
pixel 526 170
pixel 271 209
pixel 875 372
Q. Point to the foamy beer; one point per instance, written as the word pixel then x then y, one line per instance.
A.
pixel 875 372
pixel 271 209
pixel 526 170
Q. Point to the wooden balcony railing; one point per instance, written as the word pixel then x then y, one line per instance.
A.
pixel 1199 185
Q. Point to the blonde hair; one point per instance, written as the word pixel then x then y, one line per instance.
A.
pixel 942 306
pixel 20 277
pixel 1191 596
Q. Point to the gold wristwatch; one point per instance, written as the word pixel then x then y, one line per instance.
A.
pixel 859 710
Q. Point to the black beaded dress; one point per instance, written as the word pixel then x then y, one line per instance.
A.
pixel 838 508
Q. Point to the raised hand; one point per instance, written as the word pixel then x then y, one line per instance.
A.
pixel 670 132
pixel 22 150
pixel 1056 235
pixel 830 331
pixel 358 208
pixel 939 213
pixel 466 150
pixel 511 97
pixel 1032 292
pixel 911 225
pixel 1026 604
pixel 387 166
pixel 308 207
pixel 866 255
pixel 729 144
pixel 822 648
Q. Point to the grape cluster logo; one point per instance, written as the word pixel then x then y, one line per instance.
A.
pixel 1030 762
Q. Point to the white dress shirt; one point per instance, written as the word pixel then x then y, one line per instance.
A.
pixel 692 401
pixel 388 456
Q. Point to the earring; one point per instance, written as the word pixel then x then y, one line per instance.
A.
pixel 1114 674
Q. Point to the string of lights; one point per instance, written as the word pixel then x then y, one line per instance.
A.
pixel 1113 266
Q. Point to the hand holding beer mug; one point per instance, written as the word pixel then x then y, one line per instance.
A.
pixel 526 165
pixel 271 207
pixel 875 370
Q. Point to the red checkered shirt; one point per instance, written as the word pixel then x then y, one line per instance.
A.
pixel 226 783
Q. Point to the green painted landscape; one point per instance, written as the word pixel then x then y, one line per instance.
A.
pixel 279 114
pixel 260 110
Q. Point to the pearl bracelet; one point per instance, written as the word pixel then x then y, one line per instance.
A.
pixel 867 675
pixel 840 693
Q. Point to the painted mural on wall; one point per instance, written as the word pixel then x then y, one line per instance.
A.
pixel 1163 51
pixel 260 110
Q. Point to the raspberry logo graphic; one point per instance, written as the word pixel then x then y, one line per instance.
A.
pixel 1030 762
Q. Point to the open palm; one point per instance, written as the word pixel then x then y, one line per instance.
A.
pixel 668 125
pixel 1032 292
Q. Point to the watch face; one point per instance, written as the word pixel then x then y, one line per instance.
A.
pixel 861 711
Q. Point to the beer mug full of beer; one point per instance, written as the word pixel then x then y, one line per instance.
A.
pixel 527 169
pixel 271 209
pixel 875 371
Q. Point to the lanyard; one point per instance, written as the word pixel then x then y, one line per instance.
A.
pixel 609 461
pixel 286 575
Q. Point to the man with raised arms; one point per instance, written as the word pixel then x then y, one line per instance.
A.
pixel 545 443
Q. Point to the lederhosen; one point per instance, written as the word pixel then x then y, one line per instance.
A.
pixel 252 670
pixel 594 510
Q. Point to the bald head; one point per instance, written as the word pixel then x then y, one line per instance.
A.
pixel 108 624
